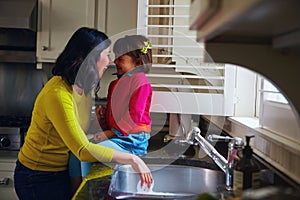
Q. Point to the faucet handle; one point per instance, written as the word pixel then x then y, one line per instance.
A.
pixel 196 130
pixel 216 138
pixel 190 136
pixel 238 142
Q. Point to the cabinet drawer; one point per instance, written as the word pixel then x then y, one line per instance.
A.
pixel 7 166
pixel 10 176
pixel 8 194
pixel 7 191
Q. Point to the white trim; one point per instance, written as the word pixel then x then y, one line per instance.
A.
pixel 169 16
pixel 172 36
pixel 187 103
pixel 168 6
pixel 142 20
pixel 188 87
pixel 183 76
pixel 245 92
pixel 168 26
pixel 229 92
pixel 187 66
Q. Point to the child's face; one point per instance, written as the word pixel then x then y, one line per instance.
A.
pixel 103 61
pixel 124 63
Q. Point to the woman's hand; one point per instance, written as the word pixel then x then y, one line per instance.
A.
pixel 144 172
pixel 137 164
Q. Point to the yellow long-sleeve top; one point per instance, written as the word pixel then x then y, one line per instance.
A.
pixel 56 129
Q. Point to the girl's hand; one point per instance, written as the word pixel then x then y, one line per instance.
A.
pixel 101 116
pixel 100 136
pixel 100 112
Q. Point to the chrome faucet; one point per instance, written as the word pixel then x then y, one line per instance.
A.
pixel 235 144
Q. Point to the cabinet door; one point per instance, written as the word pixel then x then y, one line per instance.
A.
pixel 117 16
pixel 58 20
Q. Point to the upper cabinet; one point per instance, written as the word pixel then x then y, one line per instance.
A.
pixel 262 35
pixel 58 19
pixel 272 22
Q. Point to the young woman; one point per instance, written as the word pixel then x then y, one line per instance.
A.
pixel 60 119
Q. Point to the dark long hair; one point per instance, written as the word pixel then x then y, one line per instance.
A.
pixel 78 61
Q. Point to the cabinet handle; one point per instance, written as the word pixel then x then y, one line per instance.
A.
pixel 44 48
pixel 4 181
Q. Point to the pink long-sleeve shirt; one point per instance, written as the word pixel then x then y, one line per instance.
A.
pixel 129 101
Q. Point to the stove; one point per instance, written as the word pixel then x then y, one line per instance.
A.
pixel 12 131
pixel 10 138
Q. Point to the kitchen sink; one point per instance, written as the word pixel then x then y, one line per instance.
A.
pixel 170 182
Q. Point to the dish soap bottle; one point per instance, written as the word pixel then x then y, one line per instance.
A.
pixel 246 173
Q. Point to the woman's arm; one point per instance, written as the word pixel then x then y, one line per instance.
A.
pixel 137 164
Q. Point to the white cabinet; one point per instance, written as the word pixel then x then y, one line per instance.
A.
pixel 121 17
pixel 57 21
pixel 7 167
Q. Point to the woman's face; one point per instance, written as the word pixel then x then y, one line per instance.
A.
pixel 124 63
pixel 103 61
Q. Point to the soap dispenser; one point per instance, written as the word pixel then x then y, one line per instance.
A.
pixel 246 172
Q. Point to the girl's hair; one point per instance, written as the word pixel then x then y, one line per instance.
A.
pixel 133 46
pixel 77 64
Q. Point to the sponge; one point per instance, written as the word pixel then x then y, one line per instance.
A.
pixel 206 196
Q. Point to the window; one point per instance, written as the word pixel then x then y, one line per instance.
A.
pixel 179 74
pixel 270 92
pixel 276 113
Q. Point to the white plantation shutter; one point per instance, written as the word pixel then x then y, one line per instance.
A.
pixel 181 81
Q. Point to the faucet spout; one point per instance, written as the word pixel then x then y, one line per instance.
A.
pixel 210 150
pixel 226 165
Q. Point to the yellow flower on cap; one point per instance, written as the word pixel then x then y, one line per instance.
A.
pixel 148 45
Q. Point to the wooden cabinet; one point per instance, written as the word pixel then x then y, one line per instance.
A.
pixel 58 19
pixel 261 35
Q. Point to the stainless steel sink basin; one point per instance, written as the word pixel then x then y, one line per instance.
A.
pixel 170 181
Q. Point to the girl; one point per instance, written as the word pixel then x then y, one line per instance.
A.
pixel 57 126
